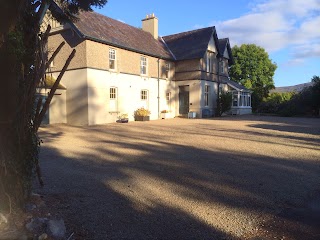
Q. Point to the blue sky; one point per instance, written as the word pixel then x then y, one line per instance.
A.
pixel 289 30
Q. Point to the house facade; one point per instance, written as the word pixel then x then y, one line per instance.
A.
pixel 119 68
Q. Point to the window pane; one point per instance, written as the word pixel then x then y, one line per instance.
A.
pixel 143 65
pixel 144 94
pixel 168 97
pixel 113 93
pixel 167 69
pixel 112 58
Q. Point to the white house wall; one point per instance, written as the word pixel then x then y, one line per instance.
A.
pixel 103 110
pixel 76 96
pixel 212 96
pixel 57 110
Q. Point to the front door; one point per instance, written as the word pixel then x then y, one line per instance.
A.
pixel 184 99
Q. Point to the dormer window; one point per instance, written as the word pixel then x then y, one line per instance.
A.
pixel 112 59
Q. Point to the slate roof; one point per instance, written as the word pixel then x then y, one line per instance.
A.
pixel 223 45
pixel 191 44
pixel 97 27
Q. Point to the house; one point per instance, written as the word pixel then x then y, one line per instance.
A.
pixel 119 68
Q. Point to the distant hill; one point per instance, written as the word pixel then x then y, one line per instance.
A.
pixel 295 88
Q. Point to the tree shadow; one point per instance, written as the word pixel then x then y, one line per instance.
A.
pixel 129 182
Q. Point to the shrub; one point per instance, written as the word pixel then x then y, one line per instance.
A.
pixel 225 101
pixel 142 112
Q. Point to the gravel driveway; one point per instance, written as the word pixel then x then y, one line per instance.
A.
pixel 247 177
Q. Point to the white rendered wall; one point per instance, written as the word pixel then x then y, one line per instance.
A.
pixel 57 108
pixel 103 110
pixel 76 96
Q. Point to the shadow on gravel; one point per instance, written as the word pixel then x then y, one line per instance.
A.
pixel 92 210
pixel 105 192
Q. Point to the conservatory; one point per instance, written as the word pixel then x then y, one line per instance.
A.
pixel 241 102
pixel 241 98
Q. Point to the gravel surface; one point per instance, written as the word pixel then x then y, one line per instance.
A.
pixel 247 177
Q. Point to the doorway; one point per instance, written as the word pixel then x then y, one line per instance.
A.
pixel 184 99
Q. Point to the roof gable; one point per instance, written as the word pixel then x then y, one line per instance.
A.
pixel 226 54
pixel 225 49
pixel 212 46
pixel 191 44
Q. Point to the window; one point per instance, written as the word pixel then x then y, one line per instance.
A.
pixel 143 65
pixel 144 94
pixel 113 93
pixel 222 66
pixel 167 69
pixel 244 99
pixel 209 61
pixel 112 59
pixel 206 95
pixel 235 99
pixel 168 96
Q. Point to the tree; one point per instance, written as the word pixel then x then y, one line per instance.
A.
pixel 254 70
pixel 23 64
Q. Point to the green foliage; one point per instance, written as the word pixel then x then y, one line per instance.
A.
pixel 254 70
pixel 15 44
pixel 306 102
pixel 272 103
pixel 225 102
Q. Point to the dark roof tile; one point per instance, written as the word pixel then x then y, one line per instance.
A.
pixel 103 29
pixel 191 44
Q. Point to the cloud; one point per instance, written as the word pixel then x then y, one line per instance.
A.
pixel 277 24
pixel 307 51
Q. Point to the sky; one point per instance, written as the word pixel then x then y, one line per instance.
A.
pixel 289 30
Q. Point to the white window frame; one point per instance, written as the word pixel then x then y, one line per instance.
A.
pixel 143 65
pixel 209 61
pixel 167 70
pixel 243 99
pixel 112 57
pixel 235 99
pixel 144 95
pixel 222 66
pixel 206 95
pixel 168 98
pixel 113 93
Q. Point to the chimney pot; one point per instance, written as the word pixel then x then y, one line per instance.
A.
pixel 150 24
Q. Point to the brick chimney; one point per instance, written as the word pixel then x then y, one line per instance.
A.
pixel 150 24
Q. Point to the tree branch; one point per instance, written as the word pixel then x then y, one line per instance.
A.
pixel 53 90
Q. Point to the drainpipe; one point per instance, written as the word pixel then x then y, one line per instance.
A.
pixel 158 88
